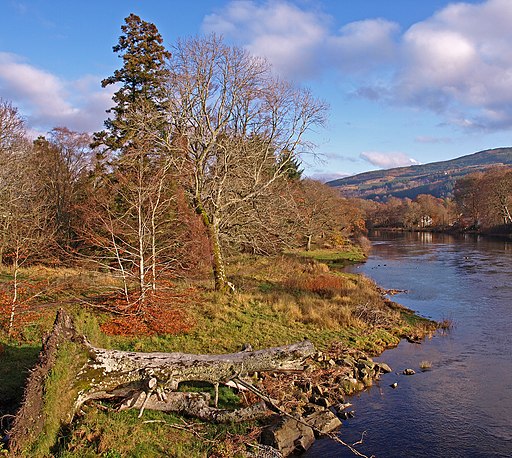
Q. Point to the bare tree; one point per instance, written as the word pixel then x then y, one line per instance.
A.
pixel 23 219
pixel 236 126
pixel 130 224
pixel 62 161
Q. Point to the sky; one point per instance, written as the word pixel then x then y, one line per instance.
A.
pixel 407 81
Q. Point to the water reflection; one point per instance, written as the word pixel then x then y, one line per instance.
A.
pixel 460 408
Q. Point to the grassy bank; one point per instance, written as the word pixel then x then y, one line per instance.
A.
pixel 279 300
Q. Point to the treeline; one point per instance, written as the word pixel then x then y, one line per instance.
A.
pixel 199 159
pixel 484 200
pixel 481 202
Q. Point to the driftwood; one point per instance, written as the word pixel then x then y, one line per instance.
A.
pixel 147 380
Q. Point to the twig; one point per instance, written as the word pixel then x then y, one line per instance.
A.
pixel 360 441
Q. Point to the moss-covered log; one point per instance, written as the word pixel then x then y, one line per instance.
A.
pixel 138 380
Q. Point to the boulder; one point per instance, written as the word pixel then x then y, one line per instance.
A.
pixel 408 372
pixel 323 422
pixel 288 436
pixel 320 401
pixel 384 368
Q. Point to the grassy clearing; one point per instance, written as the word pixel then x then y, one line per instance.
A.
pixel 279 300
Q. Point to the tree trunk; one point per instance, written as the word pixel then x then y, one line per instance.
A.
pixel 219 272
pixel 111 373
pixel 308 242
pixel 143 380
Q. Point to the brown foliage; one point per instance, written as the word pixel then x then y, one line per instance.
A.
pixel 163 313
pixel 325 285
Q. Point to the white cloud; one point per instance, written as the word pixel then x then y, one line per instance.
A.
pixel 287 36
pixel 458 63
pixel 48 101
pixel 388 160
pixel 300 43
pixel 430 139
pixel 324 177
pixel 364 45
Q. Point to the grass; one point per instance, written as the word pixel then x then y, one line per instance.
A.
pixel 279 300
pixel 59 394
pixel 334 257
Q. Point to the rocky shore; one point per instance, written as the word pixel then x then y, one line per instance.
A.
pixel 313 402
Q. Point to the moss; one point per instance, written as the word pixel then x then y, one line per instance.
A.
pixel 59 395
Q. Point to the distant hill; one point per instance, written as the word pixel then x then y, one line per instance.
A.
pixel 436 178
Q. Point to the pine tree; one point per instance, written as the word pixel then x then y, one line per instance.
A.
pixel 142 77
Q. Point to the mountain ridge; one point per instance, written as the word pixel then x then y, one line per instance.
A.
pixel 436 178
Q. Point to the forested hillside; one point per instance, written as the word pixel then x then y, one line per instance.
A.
pixel 437 179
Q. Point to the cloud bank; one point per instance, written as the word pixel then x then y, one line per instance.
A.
pixel 388 160
pixel 300 43
pixel 49 101
pixel 457 63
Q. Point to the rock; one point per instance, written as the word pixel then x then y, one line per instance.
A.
pixel 365 363
pixel 317 389
pixel 408 372
pixel 247 347
pixel 323 422
pixel 341 407
pixel 320 401
pixel 264 451
pixel 347 415
pixel 332 362
pixel 384 368
pixel 348 361
pixel 394 385
pixel 288 436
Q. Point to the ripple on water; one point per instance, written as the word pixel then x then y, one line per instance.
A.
pixel 462 407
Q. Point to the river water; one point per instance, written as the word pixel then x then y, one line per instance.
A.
pixel 462 406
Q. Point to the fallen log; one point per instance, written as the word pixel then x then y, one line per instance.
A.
pixel 108 371
pixel 142 380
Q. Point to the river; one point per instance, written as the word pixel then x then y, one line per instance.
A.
pixel 462 406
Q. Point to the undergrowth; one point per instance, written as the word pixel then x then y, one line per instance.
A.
pixel 279 300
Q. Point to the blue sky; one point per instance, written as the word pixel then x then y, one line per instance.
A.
pixel 407 81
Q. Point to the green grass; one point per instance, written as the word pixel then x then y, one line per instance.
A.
pixel 332 256
pixel 16 362
pixel 59 395
pixel 156 434
pixel 278 301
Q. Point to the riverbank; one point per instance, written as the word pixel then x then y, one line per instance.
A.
pixel 466 280
pixel 279 300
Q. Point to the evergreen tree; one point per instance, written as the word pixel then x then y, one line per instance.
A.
pixel 142 77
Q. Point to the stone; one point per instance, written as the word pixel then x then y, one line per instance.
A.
pixel 317 389
pixel 342 406
pixel 408 372
pixel 320 401
pixel 288 436
pixel 384 368
pixel 347 415
pixel 365 363
pixel 323 422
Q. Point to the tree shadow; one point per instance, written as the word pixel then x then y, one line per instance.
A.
pixel 15 365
